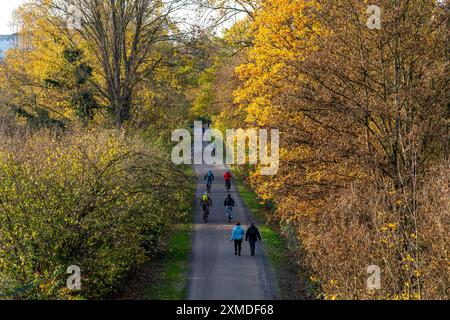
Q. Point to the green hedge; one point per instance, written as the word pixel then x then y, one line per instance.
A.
pixel 95 199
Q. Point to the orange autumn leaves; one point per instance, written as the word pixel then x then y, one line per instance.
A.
pixel 362 121
pixel 281 35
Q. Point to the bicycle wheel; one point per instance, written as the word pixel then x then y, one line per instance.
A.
pixel 230 217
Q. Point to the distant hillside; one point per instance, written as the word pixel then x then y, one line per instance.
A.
pixel 6 42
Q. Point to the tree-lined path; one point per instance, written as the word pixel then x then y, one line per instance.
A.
pixel 215 272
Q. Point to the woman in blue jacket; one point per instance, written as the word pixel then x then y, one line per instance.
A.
pixel 237 236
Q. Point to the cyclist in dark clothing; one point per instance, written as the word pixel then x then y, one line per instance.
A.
pixel 252 236
pixel 229 204
pixel 229 201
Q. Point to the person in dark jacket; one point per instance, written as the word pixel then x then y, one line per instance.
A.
pixel 252 236
pixel 229 204
pixel 229 201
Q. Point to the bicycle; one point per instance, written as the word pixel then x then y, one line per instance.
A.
pixel 205 213
pixel 228 212
pixel 208 186
pixel 228 185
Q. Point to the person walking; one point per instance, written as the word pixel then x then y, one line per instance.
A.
pixel 252 236
pixel 237 236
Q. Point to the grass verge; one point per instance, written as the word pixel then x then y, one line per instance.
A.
pixel 165 276
pixel 171 284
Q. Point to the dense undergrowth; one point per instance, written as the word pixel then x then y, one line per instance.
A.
pixel 97 199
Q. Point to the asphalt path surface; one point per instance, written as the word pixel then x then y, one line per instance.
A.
pixel 216 273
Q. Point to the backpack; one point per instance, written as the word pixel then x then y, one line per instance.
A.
pixel 229 202
pixel 205 197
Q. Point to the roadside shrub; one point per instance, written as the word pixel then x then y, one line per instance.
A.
pixel 365 225
pixel 96 199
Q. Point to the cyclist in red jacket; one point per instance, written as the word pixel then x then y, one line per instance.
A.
pixel 227 177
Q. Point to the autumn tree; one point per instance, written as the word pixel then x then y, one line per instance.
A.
pixel 123 36
pixel 223 11
pixel 364 120
pixel 27 72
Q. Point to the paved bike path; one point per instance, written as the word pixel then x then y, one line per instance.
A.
pixel 215 272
